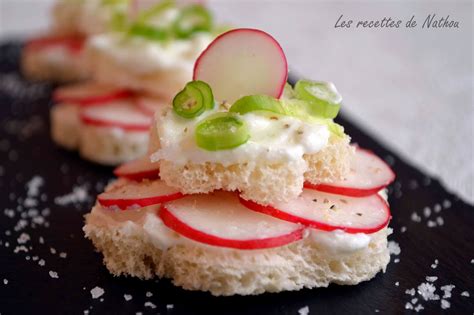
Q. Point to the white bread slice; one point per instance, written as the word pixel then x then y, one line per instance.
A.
pixel 129 249
pixel 112 146
pixel 65 125
pixel 55 64
pixel 260 181
pixel 103 145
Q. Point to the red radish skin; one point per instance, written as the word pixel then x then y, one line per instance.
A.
pixel 207 59
pixel 283 215
pixel 354 186
pixel 73 44
pixel 181 228
pixel 87 94
pixel 138 169
pixel 218 219
pixel 119 114
pixel 135 194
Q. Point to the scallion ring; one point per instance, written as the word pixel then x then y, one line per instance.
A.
pixel 323 96
pixel 189 102
pixel 221 132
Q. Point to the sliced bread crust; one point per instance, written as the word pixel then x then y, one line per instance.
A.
pixel 260 181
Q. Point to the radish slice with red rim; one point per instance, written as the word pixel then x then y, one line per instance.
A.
pixel 330 212
pixel 138 169
pixel 243 62
pixel 219 219
pixel 368 175
pixel 89 94
pixel 73 43
pixel 119 114
pixel 132 195
pixel 149 105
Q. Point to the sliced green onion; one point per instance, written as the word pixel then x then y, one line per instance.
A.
pixel 156 10
pixel 323 96
pixel 253 103
pixel 118 21
pixel 192 19
pixel 149 32
pixel 221 132
pixel 189 103
pixel 288 92
pixel 206 92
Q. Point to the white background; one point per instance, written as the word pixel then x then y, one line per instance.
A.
pixel 411 88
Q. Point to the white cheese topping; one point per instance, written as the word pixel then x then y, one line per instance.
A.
pixel 285 139
pixel 142 56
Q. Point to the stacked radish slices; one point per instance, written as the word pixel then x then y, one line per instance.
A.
pixel 332 231
pixel 106 124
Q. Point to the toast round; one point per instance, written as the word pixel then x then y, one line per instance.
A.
pixel 103 145
pixel 56 65
pixel 132 250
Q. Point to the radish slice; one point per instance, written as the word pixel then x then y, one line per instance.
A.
pixel 219 219
pixel 368 175
pixel 330 212
pixel 138 169
pixel 149 105
pixel 73 44
pixel 134 195
pixel 119 114
pixel 243 62
pixel 89 94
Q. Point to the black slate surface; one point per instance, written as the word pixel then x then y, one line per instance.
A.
pixel 26 287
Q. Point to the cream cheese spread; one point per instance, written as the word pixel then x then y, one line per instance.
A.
pixel 142 56
pixel 284 139
pixel 145 220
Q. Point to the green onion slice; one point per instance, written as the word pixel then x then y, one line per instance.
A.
pixel 221 132
pixel 323 96
pixel 192 19
pixel 253 103
pixel 149 32
pixel 155 11
pixel 206 92
pixel 189 103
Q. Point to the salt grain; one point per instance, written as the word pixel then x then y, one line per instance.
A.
pixel 303 310
pixel 169 306
pixel 148 294
pixel 53 274
pixel 397 284
pixel 78 194
pixel 427 212
pixel 415 217
pixel 63 255
pixel 431 279
pixel 403 229
pixel 150 305
pixel 97 292
pixel 437 208
pixel 446 204
pixel 127 297
pixel 445 304
pixel 440 221
pixel 447 290
pixel 465 293
pixel 394 248
pixel 41 262
pixel 427 291
pixel 5 281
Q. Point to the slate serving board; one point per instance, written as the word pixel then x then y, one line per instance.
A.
pixel 29 264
